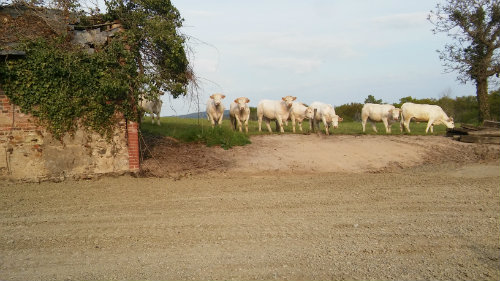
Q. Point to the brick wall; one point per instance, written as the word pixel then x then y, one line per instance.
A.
pixel 28 152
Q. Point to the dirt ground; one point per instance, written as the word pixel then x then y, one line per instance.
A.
pixel 299 207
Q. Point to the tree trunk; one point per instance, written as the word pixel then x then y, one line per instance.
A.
pixel 482 99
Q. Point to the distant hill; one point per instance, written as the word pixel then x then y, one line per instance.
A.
pixel 201 115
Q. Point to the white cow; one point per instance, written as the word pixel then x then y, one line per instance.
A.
pixel 386 113
pixel 151 106
pixel 278 110
pixel 215 109
pixel 298 113
pixel 433 114
pixel 326 113
pixel 239 113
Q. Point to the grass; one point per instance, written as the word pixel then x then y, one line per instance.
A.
pixel 194 130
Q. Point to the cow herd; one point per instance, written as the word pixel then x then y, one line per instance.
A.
pixel 288 108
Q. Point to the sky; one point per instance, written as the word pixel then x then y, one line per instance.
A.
pixel 333 51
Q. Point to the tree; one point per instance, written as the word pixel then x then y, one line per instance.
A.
pixel 474 54
pixel 371 99
pixel 152 27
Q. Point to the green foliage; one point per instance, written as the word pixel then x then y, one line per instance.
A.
pixel 372 99
pixel 152 31
pixel 194 130
pixel 64 87
pixel 349 112
pixel 494 100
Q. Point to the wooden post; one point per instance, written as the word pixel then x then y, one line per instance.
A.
pixel 314 120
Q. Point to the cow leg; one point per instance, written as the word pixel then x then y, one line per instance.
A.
pixel 386 124
pixel 219 122
pixel 260 123
pixel 293 124
pixel 363 123
pixel 246 126
pixel 429 124
pixel 432 128
pixel 239 123
pixel 374 127
pixel 300 126
pixel 268 124
pixel 407 124
pixel 327 130
pixel 280 122
pixel 211 121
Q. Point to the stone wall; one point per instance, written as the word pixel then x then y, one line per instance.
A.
pixel 28 152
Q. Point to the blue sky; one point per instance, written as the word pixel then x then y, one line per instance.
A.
pixel 331 51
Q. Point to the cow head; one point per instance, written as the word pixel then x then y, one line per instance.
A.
pixel 395 112
pixel 449 123
pixel 217 98
pixel 242 103
pixel 309 112
pixel 288 100
pixel 335 121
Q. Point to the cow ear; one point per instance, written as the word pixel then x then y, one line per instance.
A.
pixel 235 100
pixel 451 119
pixel 222 96
pixel 294 98
pixel 341 119
pixel 248 100
pixel 283 98
pixel 212 96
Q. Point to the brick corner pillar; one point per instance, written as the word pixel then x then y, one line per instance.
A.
pixel 133 146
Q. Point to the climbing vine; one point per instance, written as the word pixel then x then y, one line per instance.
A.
pixel 65 87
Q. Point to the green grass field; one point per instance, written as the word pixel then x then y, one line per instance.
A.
pixel 194 130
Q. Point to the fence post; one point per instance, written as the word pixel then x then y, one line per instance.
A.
pixel 314 120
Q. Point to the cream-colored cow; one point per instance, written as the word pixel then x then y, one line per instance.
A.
pixel 215 109
pixel 239 113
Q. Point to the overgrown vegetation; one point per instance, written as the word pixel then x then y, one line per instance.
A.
pixel 65 87
pixel 190 130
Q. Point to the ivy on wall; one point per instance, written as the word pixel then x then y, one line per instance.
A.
pixel 66 87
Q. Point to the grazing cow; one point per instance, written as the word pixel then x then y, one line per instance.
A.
pixel 386 113
pixel 278 110
pixel 433 114
pixel 326 113
pixel 298 113
pixel 215 109
pixel 239 113
pixel 151 106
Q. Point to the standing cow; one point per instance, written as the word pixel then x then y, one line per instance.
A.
pixel 215 109
pixel 152 106
pixel 386 113
pixel 433 114
pixel 326 113
pixel 239 113
pixel 298 113
pixel 278 110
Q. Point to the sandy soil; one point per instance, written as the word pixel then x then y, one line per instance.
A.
pixel 285 207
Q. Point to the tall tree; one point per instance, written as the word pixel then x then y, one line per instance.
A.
pixel 474 54
pixel 372 99
pixel 153 30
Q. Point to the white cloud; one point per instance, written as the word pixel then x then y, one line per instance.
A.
pixel 298 65
pixel 402 20
pixel 299 44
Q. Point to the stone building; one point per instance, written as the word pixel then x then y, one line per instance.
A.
pixel 27 151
